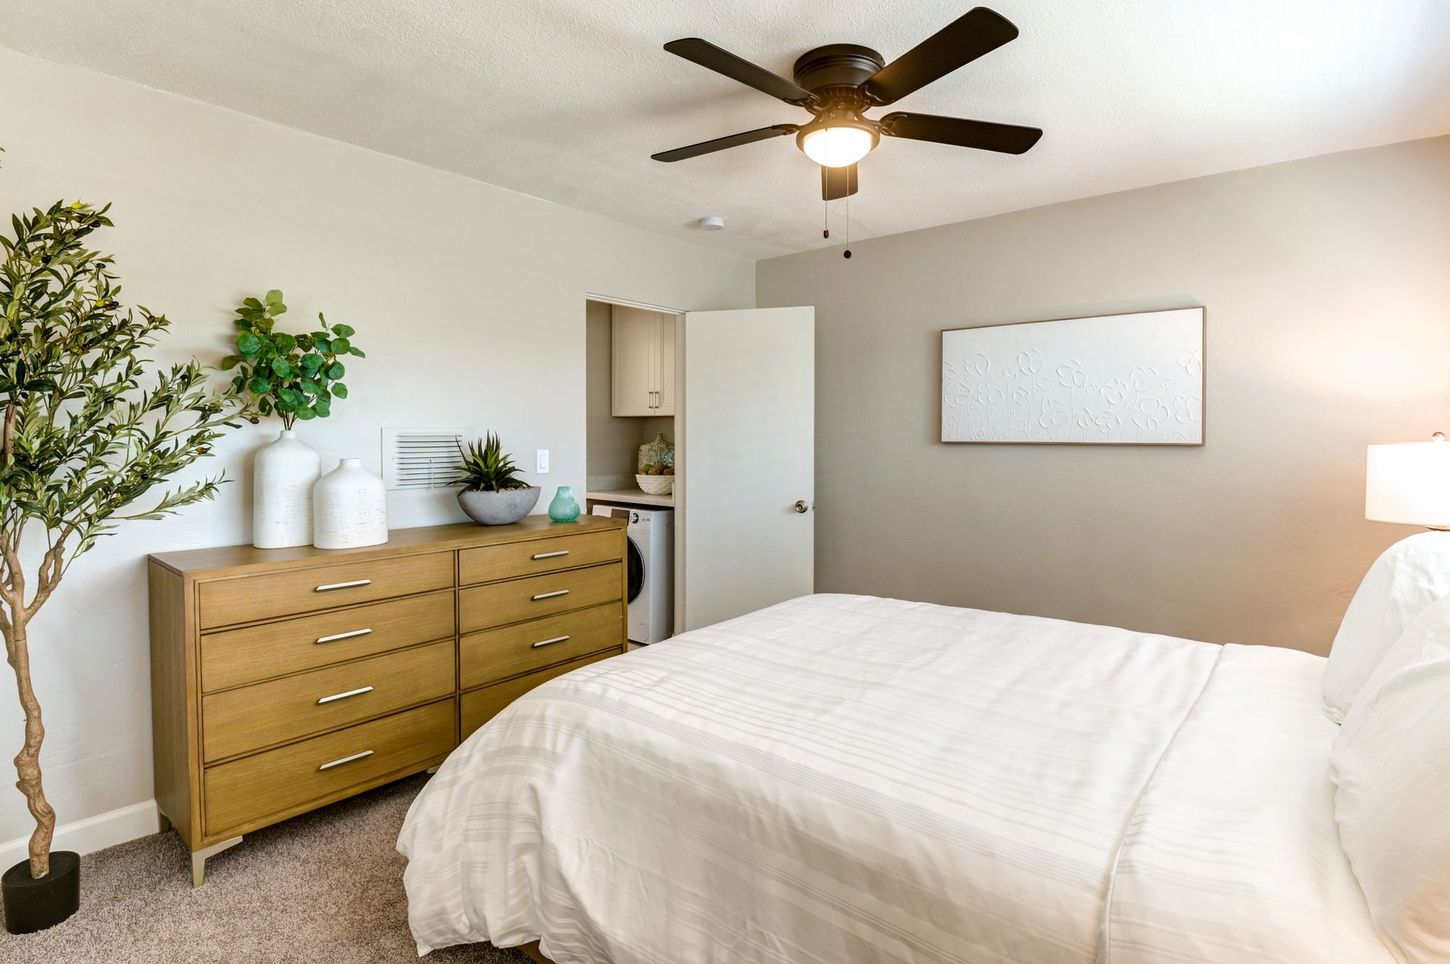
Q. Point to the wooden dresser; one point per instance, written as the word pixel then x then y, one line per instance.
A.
pixel 286 679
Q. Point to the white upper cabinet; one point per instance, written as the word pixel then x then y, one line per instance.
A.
pixel 643 363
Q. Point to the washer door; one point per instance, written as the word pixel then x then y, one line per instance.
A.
pixel 635 565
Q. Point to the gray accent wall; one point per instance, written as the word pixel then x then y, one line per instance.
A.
pixel 1327 283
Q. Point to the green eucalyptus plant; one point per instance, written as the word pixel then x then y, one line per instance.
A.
pixel 487 468
pixel 81 437
pixel 293 376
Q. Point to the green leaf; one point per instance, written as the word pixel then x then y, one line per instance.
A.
pixel 312 363
pixel 280 367
pixel 306 414
pixel 274 297
pixel 322 407
pixel 230 362
pixel 346 331
pixel 341 345
pixel 335 370
pixel 357 353
pixel 251 303
pixel 284 342
pixel 310 386
pixel 259 385
pixel 248 343
pixel 339 389
pixel 323 345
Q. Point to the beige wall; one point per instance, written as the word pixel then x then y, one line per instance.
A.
pixel 468 298
pixel 1327 283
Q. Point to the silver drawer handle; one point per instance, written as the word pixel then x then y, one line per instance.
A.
pixel 342 696
pixel 549 642
pixel 549 595
pixel 344 585
pixel 336 636
pixel 345 759
pixel 551 555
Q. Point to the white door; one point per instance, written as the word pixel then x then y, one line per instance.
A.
pixel 745 444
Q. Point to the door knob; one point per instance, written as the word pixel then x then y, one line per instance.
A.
pixel 801 505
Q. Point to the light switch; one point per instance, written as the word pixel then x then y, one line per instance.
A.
pixel 541 461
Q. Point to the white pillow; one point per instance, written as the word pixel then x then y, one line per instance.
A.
pixel 1390 763
pixel 1402 583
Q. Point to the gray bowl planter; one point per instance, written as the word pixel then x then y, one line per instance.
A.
pixel 499 508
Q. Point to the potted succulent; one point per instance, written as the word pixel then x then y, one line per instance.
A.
pixel 81 439
pixel 491 491
pixel 296 378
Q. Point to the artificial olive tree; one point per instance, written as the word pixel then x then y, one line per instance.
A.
pixel 82 438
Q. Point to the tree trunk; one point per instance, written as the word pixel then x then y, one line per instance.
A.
pixel 27 761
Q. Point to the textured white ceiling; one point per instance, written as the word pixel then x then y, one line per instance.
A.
pixel 567 100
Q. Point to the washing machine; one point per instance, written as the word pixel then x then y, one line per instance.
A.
pixel 650 549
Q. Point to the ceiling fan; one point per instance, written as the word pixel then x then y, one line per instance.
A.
pixel 838 83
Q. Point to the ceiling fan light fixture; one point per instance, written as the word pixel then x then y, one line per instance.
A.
pixel 837 144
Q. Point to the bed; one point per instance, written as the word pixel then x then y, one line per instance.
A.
pixel 845 779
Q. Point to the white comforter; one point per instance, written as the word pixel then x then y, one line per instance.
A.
pixel 844 779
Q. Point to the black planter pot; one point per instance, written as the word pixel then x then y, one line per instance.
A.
pixel 33 905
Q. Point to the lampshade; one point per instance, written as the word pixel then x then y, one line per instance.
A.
pixel 1409 483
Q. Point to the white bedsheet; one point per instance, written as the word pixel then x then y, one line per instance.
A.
pixel 844 779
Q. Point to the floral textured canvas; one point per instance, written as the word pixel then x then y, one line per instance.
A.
pixel 1129 379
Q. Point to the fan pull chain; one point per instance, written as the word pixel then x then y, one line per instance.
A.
pixel 847 252
pixel 825 217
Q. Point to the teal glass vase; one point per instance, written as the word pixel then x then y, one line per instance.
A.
pixel 564 508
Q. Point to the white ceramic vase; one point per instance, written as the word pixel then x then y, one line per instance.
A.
pixel 349 508
pixel 282 476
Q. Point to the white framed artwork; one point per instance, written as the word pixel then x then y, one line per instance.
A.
pixel 1128 379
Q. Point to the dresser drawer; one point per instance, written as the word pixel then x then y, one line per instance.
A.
pixel 252 598
pixel 239 656
pixel 288 778
pixel 500 603
pixel 487 563
pixel 480 706
pixel 496 654
pixel 252 717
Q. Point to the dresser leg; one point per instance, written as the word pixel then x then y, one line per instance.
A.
pixel 199 858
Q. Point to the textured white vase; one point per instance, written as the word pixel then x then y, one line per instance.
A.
pixel 349 508
pixel 282 476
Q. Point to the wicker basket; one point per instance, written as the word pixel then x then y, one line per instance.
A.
pixel 655 484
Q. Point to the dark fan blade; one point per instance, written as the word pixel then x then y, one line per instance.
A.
pixel 721 143
pixel 706 54
pixel 838 182
pixel 983 135
pixel 979 31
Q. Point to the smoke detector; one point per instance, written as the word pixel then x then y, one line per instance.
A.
pixel 713 223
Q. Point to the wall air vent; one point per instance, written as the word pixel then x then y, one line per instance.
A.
pixel 422 458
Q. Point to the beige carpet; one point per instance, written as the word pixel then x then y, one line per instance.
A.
pixel 327 886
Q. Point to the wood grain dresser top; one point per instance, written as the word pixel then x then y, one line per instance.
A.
pixel 236 560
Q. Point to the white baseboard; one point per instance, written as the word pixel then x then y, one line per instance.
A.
pixel 93 833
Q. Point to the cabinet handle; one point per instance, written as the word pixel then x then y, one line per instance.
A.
pixel 344 585
pixel 345 759
pixel 549 595
pixel 550 555
pixel 342 696
pixel 549 642
pixel 336 636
